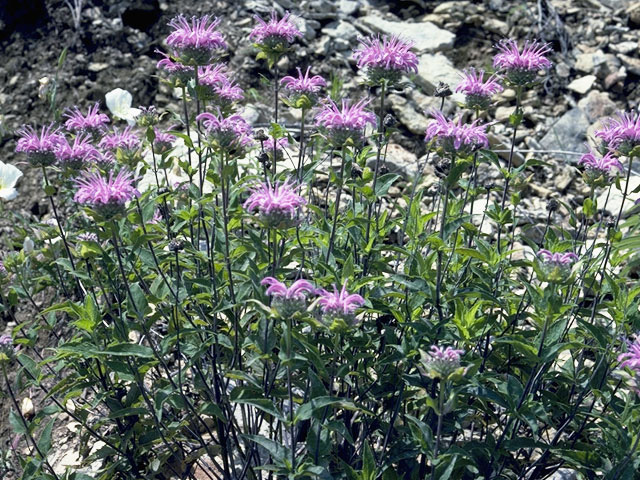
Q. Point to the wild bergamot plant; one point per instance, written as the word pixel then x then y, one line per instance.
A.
pixel 258 307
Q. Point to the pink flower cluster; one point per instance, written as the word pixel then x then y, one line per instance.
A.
pixel 215 82
pixel 454 137
pixel 522 66
pixel 477 90
pixel 631 358
pixel 276 33
pixel 227 132
pixel 303 85
pixel 442 362
pixel 600 170
pixel 77 155
pixel 176 70
pixel 39 148
pixel 107 195
pixel 92 122
pixel 560 259
pixel 346 122
pixel 620 134
pixel 386 57
pixel 336 305
pixel 278 205
pixel 196 42
pixel 125 140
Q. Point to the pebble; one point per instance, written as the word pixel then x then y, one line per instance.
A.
pixel 426 36
pixel 583 84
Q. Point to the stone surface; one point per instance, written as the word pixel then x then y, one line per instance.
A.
pixel 343 34
pixel 583 84
pixel 615 197
pixel 502 146
pixel 408 115
pixel 426 36
pixel 632 63
pixel 434 68
pixel 568 132
pixel 399 160
pixel 597 105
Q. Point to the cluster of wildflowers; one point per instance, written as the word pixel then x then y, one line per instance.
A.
pixel 93 122
pixel 442 363
pixel 600 170
pixel 214 84
pixel 78 155
pixel 196 42
pixel 39 148
pixel 107 196
pixel 178 73
pixel 477 90
pixel 454 137
pixel 345 122
pixel 226 132
pixel 554 267
pixel 337 308
pixel 620 134
pixel 385 58
pixel 278 205
pixel 302 91
pixel 288 301
pixel 7 350
pixel 521 67
pixel 630 360
pixel 275 34
pixel 162 141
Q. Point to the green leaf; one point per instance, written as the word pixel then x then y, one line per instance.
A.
pixel 249 397
pixel 368 464
pixel 384 183
pixel 44 442
pixel 16 422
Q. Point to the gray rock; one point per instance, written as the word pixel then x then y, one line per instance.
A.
pixel 398 160
pixel 615 197
pixel 502 146
pixel 426 36
pixel 625 47
pixel 568 132
pixel 348 7
pixel 634 15
pixel 408 115
pixel 632 63
pixel 343 33
pixel 564 474
pixel 597 105
pixel 597 63
pixel 583 84
pixel 434 68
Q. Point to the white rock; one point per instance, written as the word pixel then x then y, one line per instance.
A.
pixel 426 36
pixel 398 160
pixel 434 68
pixel 615 197
pixel 583 84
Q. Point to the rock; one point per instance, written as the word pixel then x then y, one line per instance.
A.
pixel 426 36
pixel 632 63
pixel 564 474
pixel 583 84
pixel 615 197
pixel 568 132
pixel 97 66
pixel 564 178
pixel 434 68
pixel 634 15
pixel 625 47
pixel 503 113
pixel 563 70
pixel 496 26
pixel 407 114
pixel 343 33
pixel 399 160
pixel 348 7
pixel 597 105
pixel 502 146
pixel 597 63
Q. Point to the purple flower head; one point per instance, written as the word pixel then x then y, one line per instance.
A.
pixel 78 155
pixel 278 145
pixel 87 237
pixel 339 305
pixel 211 75
pixel 107 196
pixel 125 140
pixel 385 58
pixel 7 350
pixel 454 137
pixel 478 91
pixel 302 91
pixel 176 70
pixel 278 205
pixel 92 122
pixel 195 43
pixel 631 358
pixel 148 116
pixel 555 267
pixel 163 141
pixel 276 33
pixel 346 122
pixel 227 132
pixel 600 170
pixel 442 362
pixel 214 84
pixel 290 300
pixel 621 134
pixel 40 149
pixel 521 67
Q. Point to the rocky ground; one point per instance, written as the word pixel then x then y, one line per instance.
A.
pixel 113 43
